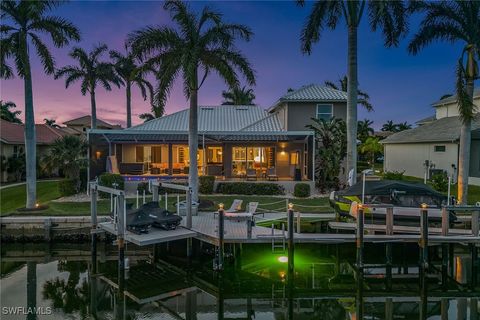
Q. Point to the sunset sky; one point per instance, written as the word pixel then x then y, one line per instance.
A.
pixel 401 86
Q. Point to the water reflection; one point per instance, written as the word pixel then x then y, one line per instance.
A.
pixel 322 286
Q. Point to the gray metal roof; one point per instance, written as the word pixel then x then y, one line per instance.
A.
pixel 315 92
pixel 441 130
pixel 216 118
pixel 476 93
pixel 426 120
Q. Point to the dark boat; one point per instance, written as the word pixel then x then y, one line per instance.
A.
pixel 151 214
pixel 405 197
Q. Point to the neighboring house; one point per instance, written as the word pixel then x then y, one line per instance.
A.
pixel 79 126
pixel 12 140
pixel 435 141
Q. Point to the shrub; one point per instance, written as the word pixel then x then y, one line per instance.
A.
pixel 439 182
pixel 206 184
pixel 143 186
pixel 68 187
pixel 108 179
pixel 393 175
pixel 301 190
pixel 247 188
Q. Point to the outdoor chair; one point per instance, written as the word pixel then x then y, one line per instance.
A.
pixel 235 207
pixel 251 174
pixel 272 174
pixel 252 209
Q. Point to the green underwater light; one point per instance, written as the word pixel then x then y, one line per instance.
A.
pixel 282 259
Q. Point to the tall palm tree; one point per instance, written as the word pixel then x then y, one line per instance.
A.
pixel 68 153
pixel 342 84
pixel 133 72
pixel 22 24
pixel 200 44
pixel 402 126
pixel 10 115
pixel 238 96
pixel 389 126
pixel 389 16
pixel 91 72
pixel 455 21
pixel 51 123
pixel 365 129
pixel 371 146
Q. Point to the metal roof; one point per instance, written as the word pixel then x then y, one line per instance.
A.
pixel 453 98
pixel 441 130
pixel 216 118
pixel 315 92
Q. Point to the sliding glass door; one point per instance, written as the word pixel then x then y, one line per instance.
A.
pixel 257 158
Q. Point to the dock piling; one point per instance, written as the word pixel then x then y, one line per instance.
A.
pixel 144 199
pixel 359 236
pixel 298 221
pixel 474 265
pixel 445 221
pixel 221 233
pixel 475 222
pixel 389 221
pixel 137 200
pixel 423 244
pixel 291 249
pixel 93 213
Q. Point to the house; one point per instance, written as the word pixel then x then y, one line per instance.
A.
pixel 79 126
pixel 233 140
pixel 434 143
pixel 12 140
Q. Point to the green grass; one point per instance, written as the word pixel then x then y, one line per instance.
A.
pixel 12 198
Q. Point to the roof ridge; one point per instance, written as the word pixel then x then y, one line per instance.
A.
pixel 52 130
pixel 267 115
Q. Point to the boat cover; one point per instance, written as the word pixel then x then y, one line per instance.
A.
pixel 386 187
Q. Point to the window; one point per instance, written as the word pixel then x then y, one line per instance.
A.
pixel 440 148
pixel 324 112
pixel 214 155
pixel 139 154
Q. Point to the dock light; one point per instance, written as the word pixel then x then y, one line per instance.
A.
pixel 282 259
pixel 290 206
pixel 37 205
pixel 360 206
pixel 424 206
pixel 220 206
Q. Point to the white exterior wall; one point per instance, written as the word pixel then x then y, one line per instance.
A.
pixel 451 110
pixel 410 157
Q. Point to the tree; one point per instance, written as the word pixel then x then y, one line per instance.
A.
pixel 238 96
pixel 372 147
pixel 51 123
pixel 331 149
pixel 200 44
pixel 68 153
pixel 16 165
pixel 342 84
pixel 389 16
pixel 91 72
pixel 364 129
pixel 389 126
pixel 146 117
pixel 402 126
pixel 129 67
pixel 9 115
pixel 26 21
pixel 455 21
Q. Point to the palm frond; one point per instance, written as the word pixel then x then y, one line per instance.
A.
pixel 46 58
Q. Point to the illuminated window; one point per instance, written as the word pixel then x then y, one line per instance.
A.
pixel 214 155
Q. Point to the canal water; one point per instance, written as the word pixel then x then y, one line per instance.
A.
pixel 58 281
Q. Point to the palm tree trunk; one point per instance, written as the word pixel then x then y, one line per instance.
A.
pixel 30 139
pixel 464 152
pixel 129 104
pixel 94 109
pixel 352 88
pixel 193 143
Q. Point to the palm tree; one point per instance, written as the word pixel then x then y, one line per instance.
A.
pixel 91 72
pixel 371 146
pixel 389 126
pixel 133 72
pixel 455 21
pixel 389 16
pixel 51 123
pixel 402 126
pixel 68 153
pixel 342 85
pixel 146 116
pixel 9 115
pixel 200 44
pixel 364 129
pixel 26 21
pixel 238 96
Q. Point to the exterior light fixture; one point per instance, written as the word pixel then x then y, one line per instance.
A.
pixel 282 259
pixel 424 206
pixel 220 206
pixel 290 206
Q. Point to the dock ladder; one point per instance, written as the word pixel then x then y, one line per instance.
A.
pixel 278 240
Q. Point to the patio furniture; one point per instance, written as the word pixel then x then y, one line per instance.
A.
pixel 252 208
pixel 272 174
pixel 178 168
pixel 251 174
pixel 133 168
pixel 235 207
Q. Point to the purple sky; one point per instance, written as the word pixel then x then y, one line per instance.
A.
pixel 401 86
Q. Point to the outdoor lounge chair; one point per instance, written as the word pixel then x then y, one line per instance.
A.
pixel 251 174
pixel 252 208
pixel 272 174
pixel 235 207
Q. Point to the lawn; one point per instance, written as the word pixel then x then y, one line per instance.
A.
pixel 12 198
